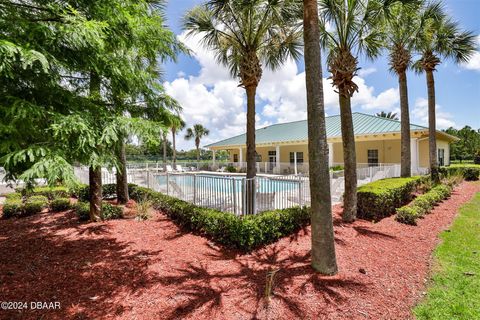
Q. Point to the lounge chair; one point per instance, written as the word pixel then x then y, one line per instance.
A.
pixel 222 169
pixel 180 168
pixel 169 168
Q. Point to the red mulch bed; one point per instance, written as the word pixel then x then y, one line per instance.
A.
pixel 127 269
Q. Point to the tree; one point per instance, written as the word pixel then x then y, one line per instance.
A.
pixel 176 124
pixel 197 132
pixel 467 146
pixel 355 28
pixel 390 115
pixel 439 38
pixel 323 241
pixel 402 23
pixel 244 35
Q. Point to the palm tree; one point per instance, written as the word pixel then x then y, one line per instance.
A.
pixel 439 38
pixel 323 241
pixel 176 124
pixel 355 29
pixel 402 24
pixel 390 115
pixel 197 132
pixel 244 35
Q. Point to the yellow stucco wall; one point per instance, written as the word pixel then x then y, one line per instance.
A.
pixel 388 151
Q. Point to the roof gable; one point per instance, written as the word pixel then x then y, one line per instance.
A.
pixel 363 124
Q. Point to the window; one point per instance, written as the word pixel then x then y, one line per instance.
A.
pixel 441 157
pixel 299 157
pixel 372 157
pixel 235 157
pixel 258 157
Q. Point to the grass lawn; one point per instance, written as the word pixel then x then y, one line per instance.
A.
pixel 455 291
pixel 465 164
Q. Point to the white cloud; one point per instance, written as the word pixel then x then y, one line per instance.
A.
pixel 214 99
pixel 474 61
pixel 420 115
pixel 365 72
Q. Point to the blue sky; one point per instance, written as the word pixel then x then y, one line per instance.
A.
pixel 211 97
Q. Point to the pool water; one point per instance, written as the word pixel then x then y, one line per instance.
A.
pixel 215 183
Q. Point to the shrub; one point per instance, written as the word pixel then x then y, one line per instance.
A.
pixel 111 212
pixel 336 168
pixel 35 204
pixel 14 196
pixel 471 174
pixel 231 168
pixel 82 192
pixel 12 207
pixel 379 199
pixel 83 210
pixel 60 204
pixel 51 192
pixel 422 204
pixel 476 157
pixel 244 233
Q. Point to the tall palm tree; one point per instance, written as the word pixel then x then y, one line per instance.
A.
pixel 439 38
pixel 197 132
pixel 245 36
pixel 387 115
pixel 323 241
pixel 176 124
pixel 401 26
pixel 355 30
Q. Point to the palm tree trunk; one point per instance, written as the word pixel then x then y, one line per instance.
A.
pixel 164 150
pixel 121 175
pixel 323 244
pixel 405 163
pixel 349 159
pixel 432 139
pixel 251 169
pixel 198 154
pixel 174 150
pixel 95 184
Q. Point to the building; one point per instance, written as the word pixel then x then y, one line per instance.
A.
pixel 282 148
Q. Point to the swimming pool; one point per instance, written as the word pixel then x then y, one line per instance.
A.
pixel 227 184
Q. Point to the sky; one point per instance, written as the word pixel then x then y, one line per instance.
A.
pixel 211 97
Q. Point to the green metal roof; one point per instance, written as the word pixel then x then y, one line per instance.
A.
pixel 363 124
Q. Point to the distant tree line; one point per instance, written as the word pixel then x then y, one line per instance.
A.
pixel 468 147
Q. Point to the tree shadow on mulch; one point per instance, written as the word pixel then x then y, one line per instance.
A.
pixel 364 231
pixel 52 258
pixel 205 289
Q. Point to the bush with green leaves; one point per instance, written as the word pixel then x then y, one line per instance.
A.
pixel 422 205
pixel 34 205
pixel 60 204
pixel 82 192
pixel 110 211
pixel 231 168
pixel 12 207
pixel 83 210
pixel 476 157
pixel 379 199
pixel 244 233
pixel 143 209
pixel 471 174
pixel 12 196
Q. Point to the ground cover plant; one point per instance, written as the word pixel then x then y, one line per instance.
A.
pixel 454 292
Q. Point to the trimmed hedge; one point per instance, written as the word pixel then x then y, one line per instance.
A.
pixel 109 211
pixel 422 204
pixel 379 199
pixel 35 204
pixel 12 207
pixel 469 173
pixel 49 192
pixel 60 204
pixel 82 192
pixel 244 233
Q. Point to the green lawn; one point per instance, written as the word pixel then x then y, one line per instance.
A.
pixel 455 289
pixel 465 164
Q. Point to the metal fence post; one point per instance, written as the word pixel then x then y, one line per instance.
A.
pixel 300 196
pixel 254 197
pixel 234 194
pixel 194 188
pixel 167 185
